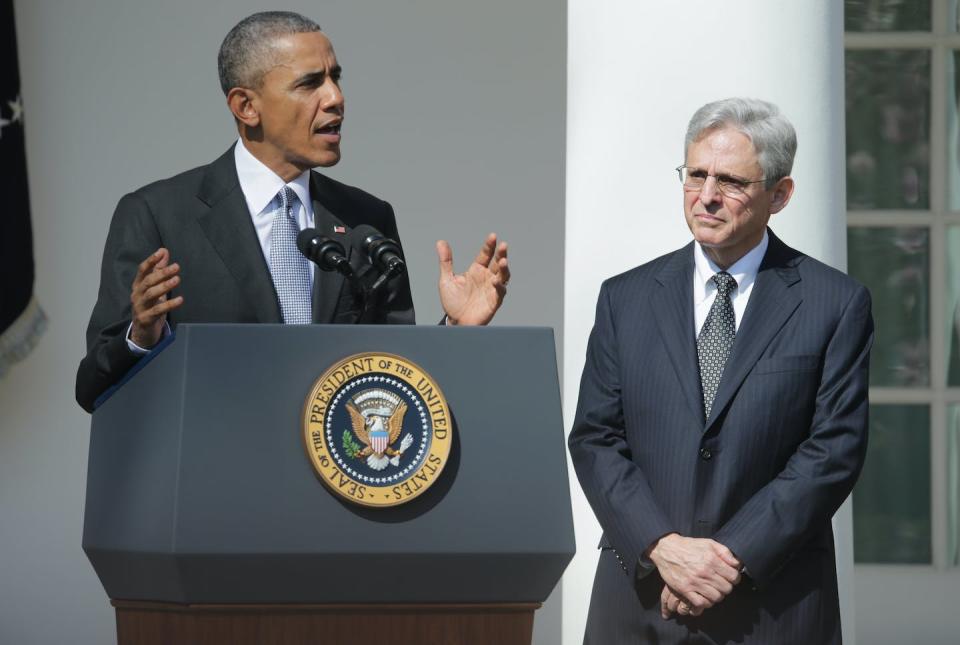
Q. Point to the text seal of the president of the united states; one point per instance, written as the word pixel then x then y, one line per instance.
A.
pixel 377 429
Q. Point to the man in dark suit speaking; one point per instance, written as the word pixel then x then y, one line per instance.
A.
pixel 722 417
pixel 218 243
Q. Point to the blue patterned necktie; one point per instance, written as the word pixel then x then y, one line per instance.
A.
pixel 716 339
pixel 288 267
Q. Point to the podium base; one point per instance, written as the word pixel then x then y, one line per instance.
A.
pixel 158 623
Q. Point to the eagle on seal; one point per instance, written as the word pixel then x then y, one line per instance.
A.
pixel 377 420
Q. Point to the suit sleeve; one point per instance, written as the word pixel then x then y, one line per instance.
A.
pixel 132 238
pixel 615 486
pixel 786 513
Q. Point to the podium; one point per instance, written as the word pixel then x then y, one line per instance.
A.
pixel 207 523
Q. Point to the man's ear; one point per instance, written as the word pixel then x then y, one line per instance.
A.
pixel 243 104
pixel 782 192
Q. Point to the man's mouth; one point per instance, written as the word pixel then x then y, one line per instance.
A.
pixel 331 128
pixel 707 216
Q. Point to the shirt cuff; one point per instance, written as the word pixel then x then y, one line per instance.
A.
pixel 644 567
pixel 140 351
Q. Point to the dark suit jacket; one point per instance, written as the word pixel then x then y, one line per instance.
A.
pixel 763 475
pixel 201 216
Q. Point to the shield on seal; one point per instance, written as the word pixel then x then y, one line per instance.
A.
pixel 379 440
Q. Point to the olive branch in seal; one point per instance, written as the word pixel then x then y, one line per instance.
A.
pixel 350 447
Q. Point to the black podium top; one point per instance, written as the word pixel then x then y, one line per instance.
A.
pixel 200 489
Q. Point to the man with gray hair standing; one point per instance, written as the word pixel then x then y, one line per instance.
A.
pixel 722 417
pixel 219 243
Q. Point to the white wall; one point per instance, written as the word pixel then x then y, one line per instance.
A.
pixel 455 114
pixel 636 73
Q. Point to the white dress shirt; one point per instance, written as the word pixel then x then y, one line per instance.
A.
pixel 744 271
pixel 259 185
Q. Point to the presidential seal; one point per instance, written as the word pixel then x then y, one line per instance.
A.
pixel 377 429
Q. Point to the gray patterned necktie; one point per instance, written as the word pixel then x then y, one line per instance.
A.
pixel 716 339
pixel 288 267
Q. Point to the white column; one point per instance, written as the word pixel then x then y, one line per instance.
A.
pixel 636 73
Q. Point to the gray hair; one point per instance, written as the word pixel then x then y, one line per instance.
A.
pixel 247 53
pixel 772 135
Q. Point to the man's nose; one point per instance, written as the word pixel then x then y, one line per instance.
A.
pixel 710 191
pixel 332 97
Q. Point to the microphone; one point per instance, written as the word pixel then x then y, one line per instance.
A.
pixel 326 253
pixel 383 252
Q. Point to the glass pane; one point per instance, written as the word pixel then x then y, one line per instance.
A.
pixel 953 131
pixel 894 263
pixel 886 15
pixel 888 129
pixel 952 308
pixel 953 486
pixel 891 502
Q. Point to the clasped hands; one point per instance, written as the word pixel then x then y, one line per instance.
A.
pixel 468 298
pixel 698 573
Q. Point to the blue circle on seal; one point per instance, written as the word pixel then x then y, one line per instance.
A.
pixel 378 430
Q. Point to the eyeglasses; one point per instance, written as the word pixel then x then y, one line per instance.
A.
pixel 695 178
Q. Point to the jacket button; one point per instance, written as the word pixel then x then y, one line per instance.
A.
pixel 705 454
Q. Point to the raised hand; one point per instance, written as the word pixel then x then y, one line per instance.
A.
pixel 474 296
pixel 155 278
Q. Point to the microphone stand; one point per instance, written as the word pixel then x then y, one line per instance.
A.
pixel 368 295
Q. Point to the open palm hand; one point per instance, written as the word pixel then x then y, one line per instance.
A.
pixel 474 296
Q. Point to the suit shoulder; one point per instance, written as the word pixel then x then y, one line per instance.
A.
pixel 639 276
pixel 337 190
pixel 208 183
pixel 824 276
pixel 158 201
pixel 185 182
pixel 353 206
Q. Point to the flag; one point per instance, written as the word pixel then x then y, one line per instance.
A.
pixel 21 319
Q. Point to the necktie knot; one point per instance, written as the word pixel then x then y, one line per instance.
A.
pixel 725 283
pixel 288 199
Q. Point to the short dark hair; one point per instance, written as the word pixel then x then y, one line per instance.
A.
pixel 247 53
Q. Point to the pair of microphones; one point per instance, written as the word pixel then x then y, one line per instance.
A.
pixel 330 255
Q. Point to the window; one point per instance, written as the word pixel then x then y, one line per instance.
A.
pixel 903 209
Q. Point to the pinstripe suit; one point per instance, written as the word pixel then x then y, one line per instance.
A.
pixel 763 475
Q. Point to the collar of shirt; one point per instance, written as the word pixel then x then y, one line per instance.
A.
pixel 744 271
pixel 260 185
